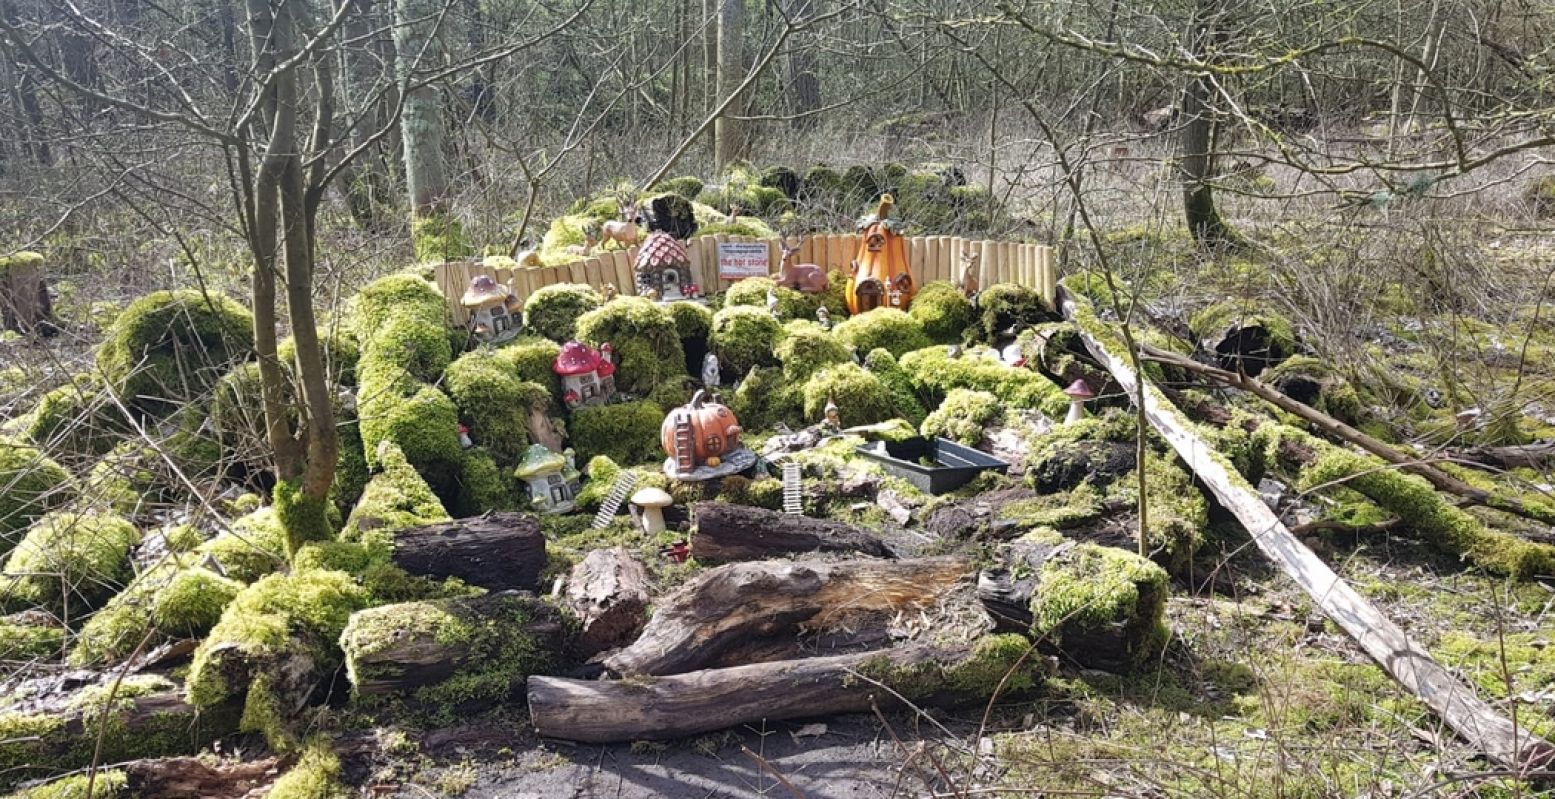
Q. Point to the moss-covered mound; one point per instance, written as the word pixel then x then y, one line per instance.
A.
pixel 341 353
pixel 962 416
pixel 531 358
pixel 30 485
pixel 192 602
pixel 686 186
pixel 251 547
pixel 423 423
pixel 944 312
pixel 693 320
pixel 395 498
pixel 860 396
pixel 274 637
pixel 169 346
pixel 1310 381
pixel 935 372
pixel 1245 332
pixel 172 599
pixel 493 401
pixel 75 558
pixel 316 775
pixel 553 311
pixel 791 303
pixel 77 419
pixel 765 398
pixel 402 325
pixel 741 188
pixel 806 348
pixel 644 337
pixel 904 395
pixel 1006 308
pixel 882 328
pixel 1104 606
pixel 23 639
pixel 743 338
pixel 626 432
pixel 485 486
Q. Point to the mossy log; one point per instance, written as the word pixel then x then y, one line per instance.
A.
pixel 451 651
pixel 1242 336
pixel 194 777
pixel 1538 455
pixel 37 743
pixel 606 711
pixel 24 296
pixel 743 611
pixel 727 532
pixel 499 551
pixel 609 592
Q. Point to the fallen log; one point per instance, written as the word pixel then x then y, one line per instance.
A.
pixel 1405 660
pixel 490 643
pixel 609 593
pixel 604 711
pixel 499 551
pixel 753 605
pixel 194 778
pixel 41 742
pixel 1329 425
pixel 1537 455
pixel 727 532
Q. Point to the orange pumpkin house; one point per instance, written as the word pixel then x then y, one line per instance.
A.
pixel 702 439
pixel 882 276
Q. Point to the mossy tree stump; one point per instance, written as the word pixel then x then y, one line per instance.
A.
pixel 24 295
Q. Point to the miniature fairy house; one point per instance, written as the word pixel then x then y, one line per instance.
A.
pixel 552 478
pixel 493 310
pixel 882 276
pixel 588 375
pixel 663 267
pixel 702 439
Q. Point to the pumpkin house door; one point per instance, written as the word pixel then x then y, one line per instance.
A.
pixel 868 293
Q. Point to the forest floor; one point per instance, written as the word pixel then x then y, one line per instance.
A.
pixel 1257 696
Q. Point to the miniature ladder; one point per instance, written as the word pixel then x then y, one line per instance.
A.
pixel 685 443
pixel 607 509
pixel 793 493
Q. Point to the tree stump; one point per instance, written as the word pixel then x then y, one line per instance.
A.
pixel 24 295
pixel 609 592
pixel 499 551
pixel 726 532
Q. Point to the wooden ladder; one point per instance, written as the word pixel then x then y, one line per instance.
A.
pixel 685 443
pixel 793 491
pixel 607 509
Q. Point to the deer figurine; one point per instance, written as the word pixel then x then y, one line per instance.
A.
pixel 808 278
pixel 733 217
pixel 624 231
pixel 969 261
pixel 590 241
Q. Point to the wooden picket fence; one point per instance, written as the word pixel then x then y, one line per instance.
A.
pixel 932 258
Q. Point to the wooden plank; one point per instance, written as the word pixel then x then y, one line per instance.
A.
pixel 620 270
pixel 931 254
pixel 1049 270
pixel 712 257
pixel 575 273
pixel 916 258
pixel 1410 664
pixel 594 272
pixel 774 256
pixel 987 266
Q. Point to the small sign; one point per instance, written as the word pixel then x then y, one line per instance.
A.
pixel 739 260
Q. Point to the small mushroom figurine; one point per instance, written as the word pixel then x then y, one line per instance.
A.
pixel 1079 391
pixel 710 375
pixel 464 437
pixel 652 502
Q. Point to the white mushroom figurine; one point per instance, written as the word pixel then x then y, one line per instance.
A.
pixel 652 502
pixel 1079 391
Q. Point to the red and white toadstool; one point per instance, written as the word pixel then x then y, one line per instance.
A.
pixel 1079 391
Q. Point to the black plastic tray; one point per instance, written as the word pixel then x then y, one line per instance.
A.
pixel 956 464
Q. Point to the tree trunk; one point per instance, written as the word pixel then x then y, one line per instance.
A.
pixel 731 136
pixel 498 551
pixel 609 592
pixel 1209 230
pixel 24 296
pixel 754 606
pixel 727 532
pixel 417 52
pixel 400 649
pixel 192 777
pixel 804 87
pixel 606 711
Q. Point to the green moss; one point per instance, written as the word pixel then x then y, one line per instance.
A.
pixel 169 346
pixel 693 320
pixel 303 518
pixel 423 424
pixel 108 784
pixel 1006 308
pixel 742 188
pixel 79 559
pixel 493 401
pixel 1058 511
pixel 113 632
pixel 687 186
pixel 192 602
pixel 1178 513
pixel 497 647
pixel 1426 512
pixel 281 617
pixel 351 468
pixel 553 311
pixel 397 295
pixel 340 349
pixel 943 311
pixel 1105 592
pixel 78 418
pixel 1216 319
pixel 530 358
pixel 765 398
pixel 253 546
pixel 237 407
pixel 962 416
pixel 806 348
pixel 20 259
pixel 860 396
pixel 483 486
pixel 395 498
pixel 935 373
pixel 21 641
pixel 1308 380
pixel 904 396
pixel 766 492
pixel 625 432
pixel 316 775
pixel 1526 659
pixel 1003 663
pixel 791 303
pixel 645 339
pixel 30 486
pixel 743 338
pixel 882 328
pixel 438 237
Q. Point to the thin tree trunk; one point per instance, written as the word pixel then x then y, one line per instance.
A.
pixel 421 123
pixel 1209 230
pixel 730 135
pixel 804 87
